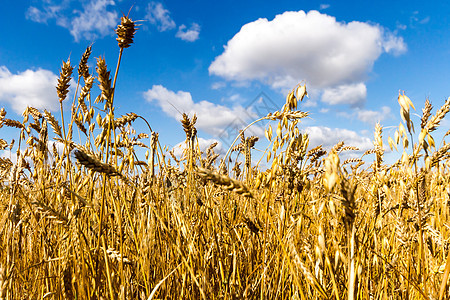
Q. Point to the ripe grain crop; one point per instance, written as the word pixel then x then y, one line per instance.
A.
pixel 89 218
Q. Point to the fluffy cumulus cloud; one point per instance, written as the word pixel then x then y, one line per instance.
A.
pixel 159 16
pixel 211 118
pixel 189 35
pixel 328 137
pixel 309 46
pixel 93 19
pixel 34 88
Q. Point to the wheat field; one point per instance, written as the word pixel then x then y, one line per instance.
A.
pixel 95 218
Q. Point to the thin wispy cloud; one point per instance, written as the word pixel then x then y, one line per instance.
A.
pixel 95 18
pixel 43 15
pixel 373 116
pixel 218 85
pixel 159 16
pixel 352 94
pixel 418 19
pixel 189 35
pixel 367 116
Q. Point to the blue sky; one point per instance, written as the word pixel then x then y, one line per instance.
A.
pixel 215 57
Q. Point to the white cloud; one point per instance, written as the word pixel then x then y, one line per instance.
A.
pixel 218 85
pixel 235 97
pixel 189 35
pixel 324 6
pixel 92 21
pixel 418 19
pixel 328 137
pixel 211 118
pixel 28 88
pixel 401 26
pixel 309 103
pixel 42 16
pixel 425 20
pixel 393 44
pixel 353 94
pixel 159 16
pixel 372 117
pixel 309 46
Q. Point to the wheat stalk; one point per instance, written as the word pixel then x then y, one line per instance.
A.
pixel 228 183
pixel 83 68
pixel 63 81
pixel 91 162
